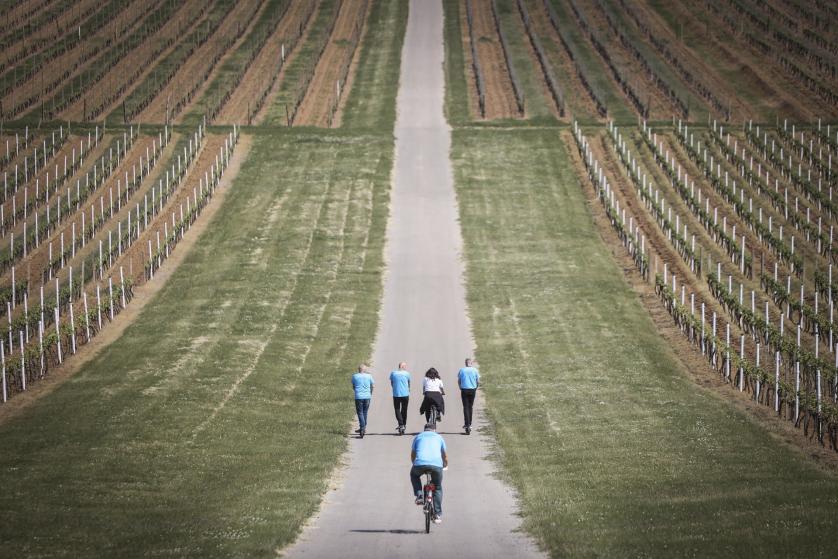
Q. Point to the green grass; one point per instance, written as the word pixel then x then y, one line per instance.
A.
pixel 128 457
pixel 230 72
pixel 537 104
pixel 371 104
pixel 613 449
pixel 594 68
pixel 305 59
pixel 166 68
pixel 456 85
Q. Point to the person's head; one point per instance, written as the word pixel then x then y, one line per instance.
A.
pixel 430 427
pixel 432 373
pixel 402 365
pixel 469 361
pixel 362 367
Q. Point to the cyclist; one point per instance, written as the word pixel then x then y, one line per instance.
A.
pixel 400 381
pixel 434 391
pixel 428 454
pixel 468 378
pixel 363 385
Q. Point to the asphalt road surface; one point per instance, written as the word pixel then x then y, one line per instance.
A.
pixel 424 322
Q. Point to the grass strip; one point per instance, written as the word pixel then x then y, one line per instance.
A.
pixel 230 73
pixel 165 70
pixel 299 71
pixel 456 86
pixel 211 426
pixel 371 104
pixel 613 449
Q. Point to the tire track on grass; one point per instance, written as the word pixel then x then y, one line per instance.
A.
pixel 260 347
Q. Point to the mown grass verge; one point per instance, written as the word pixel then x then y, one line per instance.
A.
pixel 613 449
pixel 372 100
pixel 299 70
pixel 211 427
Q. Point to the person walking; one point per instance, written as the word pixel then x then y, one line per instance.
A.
pixel 400 382
pixel 468 379
pixel 363 385
pixel 428 454
pixel 433 392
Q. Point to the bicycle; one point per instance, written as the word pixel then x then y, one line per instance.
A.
pixel 434 415
pixel 428 488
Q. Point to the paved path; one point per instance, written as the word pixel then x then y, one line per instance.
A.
pixel 423 322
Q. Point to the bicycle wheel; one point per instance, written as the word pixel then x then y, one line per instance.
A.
pixel 427 520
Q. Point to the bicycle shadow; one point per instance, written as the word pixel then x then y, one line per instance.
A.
pixel 402 532
pixel 355 435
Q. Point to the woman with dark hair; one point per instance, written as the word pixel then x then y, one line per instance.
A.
pixel 434 391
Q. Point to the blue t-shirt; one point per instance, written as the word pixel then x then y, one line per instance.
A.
pixel 400 381
pixel 468 377
pixel 428 447
pixel 362 383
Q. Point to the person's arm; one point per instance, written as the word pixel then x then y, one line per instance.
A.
pixel 444 459
pixel 441 388
pixel 412 456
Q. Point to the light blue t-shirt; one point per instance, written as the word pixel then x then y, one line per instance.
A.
pixel 428 447
pixel 468 377
pixel 362 383
pixel 400 381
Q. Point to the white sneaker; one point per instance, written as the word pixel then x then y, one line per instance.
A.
pixel 420 500
pixel 438 520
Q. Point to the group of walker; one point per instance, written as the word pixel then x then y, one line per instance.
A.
pixel 428 452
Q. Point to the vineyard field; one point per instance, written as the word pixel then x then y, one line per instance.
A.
pixel 196 229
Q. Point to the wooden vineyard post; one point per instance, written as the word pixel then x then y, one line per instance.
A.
pixel 110 296
pixel 72 330
pixel 41 345
pixel 86 318
pixel 777 382
pixel 22 363
pixel 756 392
pixel 98 308
pixel 727 352
pixel 3 362
pixel 58 334
pixel 742 362
pixel 796 390
pixel 122 286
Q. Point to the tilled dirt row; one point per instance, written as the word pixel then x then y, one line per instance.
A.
pixel 195 72
pixel 731 55
pixel 38 259
pixel 37 184
pixel 117 83
pixel 134 259
pixel 499 94
pixel 692 359
pixel 53 30
pixel 321 99
pixel 57 72
pixel 659 107
pixel 575 94
pixel 659 249
pixel 262 79
pixel 246 24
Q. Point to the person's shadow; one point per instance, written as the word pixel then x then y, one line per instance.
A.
pixel 403 532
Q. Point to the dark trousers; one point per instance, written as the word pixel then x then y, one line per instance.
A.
pixel 436 478
pixel 400 406
pixel 467 395
pixel 361 408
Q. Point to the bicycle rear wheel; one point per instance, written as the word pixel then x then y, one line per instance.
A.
pixel 427 521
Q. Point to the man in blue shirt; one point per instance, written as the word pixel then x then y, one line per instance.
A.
pixel 400 381
pixel 363 384
pixel 469 379
pixel 428 454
